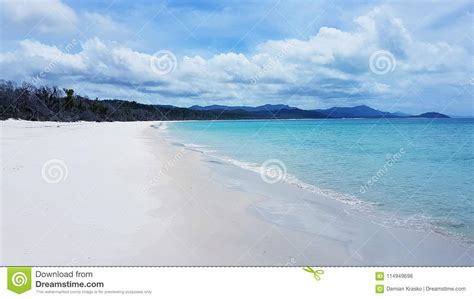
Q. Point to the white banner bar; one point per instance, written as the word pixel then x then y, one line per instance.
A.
pixel 238 282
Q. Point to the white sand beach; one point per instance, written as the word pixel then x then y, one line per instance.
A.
pixel 120 194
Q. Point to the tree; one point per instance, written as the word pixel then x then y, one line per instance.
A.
pixel 69 98
pixel 69 93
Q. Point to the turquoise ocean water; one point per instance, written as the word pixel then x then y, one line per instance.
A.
pixel 415 173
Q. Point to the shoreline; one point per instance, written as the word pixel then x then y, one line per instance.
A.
pixel 237 178
pixel 160 204
pixel 351 202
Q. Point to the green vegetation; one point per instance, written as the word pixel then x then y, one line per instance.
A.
pixel 46 103
pixel 53 104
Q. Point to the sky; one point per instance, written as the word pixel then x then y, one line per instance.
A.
pixel 410 56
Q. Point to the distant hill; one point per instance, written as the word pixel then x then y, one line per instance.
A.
pixel 53 104
pixel 292 113
pixel 362 111
pixel 335 112
pixel 267 107
pixel 430 115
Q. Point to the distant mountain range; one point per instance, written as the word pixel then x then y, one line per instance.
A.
pixel 52 104
pixel 267 107
pixel 431 115
pixel 361 111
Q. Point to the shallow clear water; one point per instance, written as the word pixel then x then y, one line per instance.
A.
pixel 418 172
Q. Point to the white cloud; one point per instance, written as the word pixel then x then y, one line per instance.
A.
pixel 33 49
pixel 331 65
pixel 48 16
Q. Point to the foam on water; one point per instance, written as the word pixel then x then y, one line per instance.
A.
pixel 428 188
pixel 417 222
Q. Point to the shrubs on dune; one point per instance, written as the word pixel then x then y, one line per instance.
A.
pixel 46 103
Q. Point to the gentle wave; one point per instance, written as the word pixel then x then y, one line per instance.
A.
pixel 294 181
pixel 417 222
pixel 427 224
